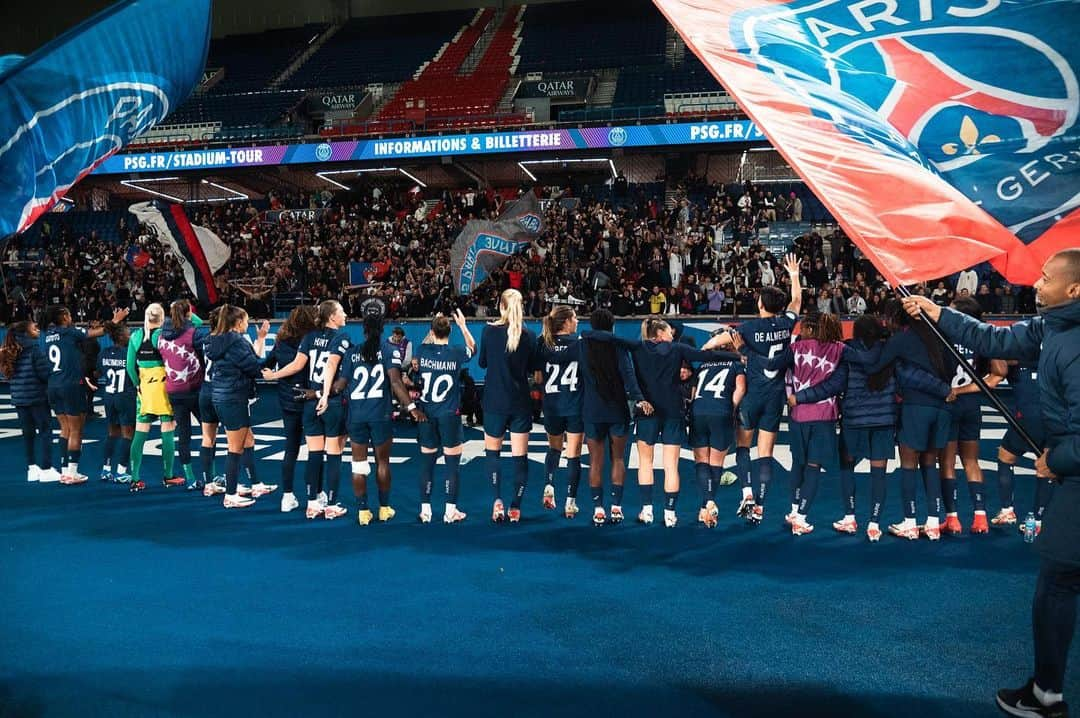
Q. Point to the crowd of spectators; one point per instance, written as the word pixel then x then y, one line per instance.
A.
pixel 627 253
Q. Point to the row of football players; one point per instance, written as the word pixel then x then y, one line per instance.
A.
pixel 329 390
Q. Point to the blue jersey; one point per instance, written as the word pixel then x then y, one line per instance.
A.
pixel 317 346
pixel 562 392
pixel 112 372
pixel 905 345
pixel 1024 379
pixel 506 384
pixel 716 388
pixel 368 390
pixel 765 338
pixel 64 355
pixel 961 376
pixel 440 371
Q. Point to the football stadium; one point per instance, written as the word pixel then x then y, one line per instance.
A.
pixel 659 357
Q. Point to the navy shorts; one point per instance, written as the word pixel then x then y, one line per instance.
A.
pixel 713 432
pixel 497 424
pixel 1017 446
pixel 813 442
pixel 600 430
pixel 120 409
pixel 207 412
pixel 966 414
pixel 444 432
pixel 874 443
pixel 923 428
pixel 762 412
pixel 68 399
pixel 331 423
pixel 558 425
pixel 653 430
pixel 370 433
pixel 234 414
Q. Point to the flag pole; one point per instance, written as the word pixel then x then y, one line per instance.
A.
pixel 994 399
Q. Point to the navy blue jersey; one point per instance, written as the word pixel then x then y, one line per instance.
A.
pixel 595 408
pixel 908 346
pixel 506 384
pixel 440 374
pixel 562 390
pixel 318 346
pixel 765 338
pixel 282 355
pixel 65 357
pixel 1024 379
pixel 716 388
pixel 400 351
pixel 368 390
pixel 657 365
pixel 961 376
pixel 112 372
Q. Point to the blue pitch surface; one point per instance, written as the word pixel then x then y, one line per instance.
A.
pixel 163 603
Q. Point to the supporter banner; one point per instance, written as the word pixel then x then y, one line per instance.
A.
pixel 481 143
pixel 361 273
pixel 199 251
pixel 524 212
pixel 74 102
pixel 281 216
pixel 334 102
pixel 483 246
pixel 939 134
pixel 567 88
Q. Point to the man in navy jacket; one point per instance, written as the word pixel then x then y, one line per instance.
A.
pixel 1053 339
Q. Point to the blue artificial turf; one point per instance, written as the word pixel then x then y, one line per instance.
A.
pixel 163 603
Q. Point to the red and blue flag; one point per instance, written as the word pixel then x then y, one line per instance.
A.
pixel 939 133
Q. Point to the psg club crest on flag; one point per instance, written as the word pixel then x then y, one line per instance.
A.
pixel 941 133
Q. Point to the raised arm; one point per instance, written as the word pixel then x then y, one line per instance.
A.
pixel 260 338
pixel 1022 340
pixel 470 343
pixel 791 264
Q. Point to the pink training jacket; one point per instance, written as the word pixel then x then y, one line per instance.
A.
pixel 814 362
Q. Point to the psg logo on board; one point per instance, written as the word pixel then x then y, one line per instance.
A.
pixel 939 74
pixel 530 222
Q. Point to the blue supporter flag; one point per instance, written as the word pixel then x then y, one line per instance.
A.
pixel 137 257
pixel 81 97
pixel 361 273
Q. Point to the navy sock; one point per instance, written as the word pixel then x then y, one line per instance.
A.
pixel 877 492
pixel 932 484
pixel 742 465
pixel 847 488
pixel 312 471
pixel 764 477
pixel 110 450
pixel 124 449
pixel 670 497
pixel 811 479
pixel 333 477
pixel 63 446
pixel 574 470
pixel 597 496
pixel 206 464
pixel 232 471
pixel 948 494
pixel 491 465
pixel 704 478
pixel 1043 490
pixel 521 478
pixel 384 496
pixel 616 494
pixel 551 465
pixel 288 464
pixel 453 471
pixel 646 494
pixel 978 496
pixel 247 462
pixel 715 473
pixel 1005 483
pixel 427 475
pixel 907 491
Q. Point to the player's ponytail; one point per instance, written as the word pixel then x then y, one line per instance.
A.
pixel 12 348
pixel 373 326
pixel 554 322
pixel 512 315
pixel 178 312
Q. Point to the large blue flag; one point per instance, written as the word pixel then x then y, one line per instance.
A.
pixel 88 93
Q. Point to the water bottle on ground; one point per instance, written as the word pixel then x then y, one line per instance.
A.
pixel 1029 528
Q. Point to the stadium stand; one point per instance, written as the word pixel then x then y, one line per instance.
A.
pixel 251 61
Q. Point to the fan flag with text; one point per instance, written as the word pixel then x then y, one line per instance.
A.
pixel 81 97
pixel 939 133
pixel 483 245
pixel 198 250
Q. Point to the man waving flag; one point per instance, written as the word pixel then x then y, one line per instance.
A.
pixel 939 134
